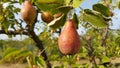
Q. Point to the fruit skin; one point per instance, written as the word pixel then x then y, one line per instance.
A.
pixel 28 12
pixel 69 41
pixel 47 17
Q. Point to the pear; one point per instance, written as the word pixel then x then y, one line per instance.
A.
pixel 47 17
pixel 28 12
pixel 69 41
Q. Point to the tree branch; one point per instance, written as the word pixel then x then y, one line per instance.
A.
pixel 90 50
pixel 114 29
pixel 29 31
pixel 38 42
pixel 10 32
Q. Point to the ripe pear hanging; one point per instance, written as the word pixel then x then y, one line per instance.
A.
pixel 69 41
pixel 28 12
pixel 47 17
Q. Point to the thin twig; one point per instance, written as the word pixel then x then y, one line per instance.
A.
pixel 104 37
pixel 90 50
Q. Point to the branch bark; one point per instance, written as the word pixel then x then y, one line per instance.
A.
pixel 10 32
pixel 33 36
pixel 30 32
pixel 38 42
pixel 40 46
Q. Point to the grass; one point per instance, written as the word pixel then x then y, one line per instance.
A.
pixel 14 66
pixel 114 61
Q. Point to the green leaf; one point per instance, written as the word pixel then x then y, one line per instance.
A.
pixel 40 62
pixel 1 18
pixel 102 9
pixel 100 49
pixel 105 59
pixel 50 1
pixel 9 51
pixel 33 1
pixel 16 10
pixel 21 1
pixel 13 55
pixel 94 18
pixel 117 41
pixel 119 4
pixel 58 22
pixel 67 2
pixel 49 7
pixel 29 61
pixel 5 25
pixel 23 54
pixel 65 9
pixel 75 18
pixel 76 3
pixel 101 66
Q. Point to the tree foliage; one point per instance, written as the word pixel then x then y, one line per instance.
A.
pixel 99 42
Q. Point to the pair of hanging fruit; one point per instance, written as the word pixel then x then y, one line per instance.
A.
pixel 28 14
pixel 69 41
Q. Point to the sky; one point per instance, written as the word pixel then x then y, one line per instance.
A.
pixel 87 4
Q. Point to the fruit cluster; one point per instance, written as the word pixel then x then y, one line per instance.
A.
pixel 69 41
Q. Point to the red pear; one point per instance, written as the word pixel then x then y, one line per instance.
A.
pixel 69 41
pixel 28 12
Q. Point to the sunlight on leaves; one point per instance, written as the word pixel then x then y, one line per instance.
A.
pixel 94 18
pixel 58 22
pixel 102 9
pixel 76 3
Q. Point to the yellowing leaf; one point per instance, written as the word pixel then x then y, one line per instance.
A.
pixel 67 2
pixel 58 22
pixel 48 7
pixel 50 1
pixel 76 3
pixel 105 59
pixel 1 18
pixel 65 9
